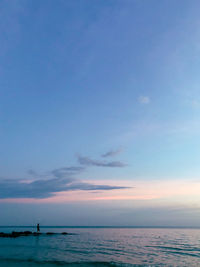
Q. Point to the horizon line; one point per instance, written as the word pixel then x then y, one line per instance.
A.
pixel 97 226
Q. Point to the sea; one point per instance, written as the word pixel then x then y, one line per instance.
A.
pixel 101 246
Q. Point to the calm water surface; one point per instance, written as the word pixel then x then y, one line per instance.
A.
pixel 103 247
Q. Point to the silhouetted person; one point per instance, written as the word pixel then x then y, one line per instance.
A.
pixel 38 228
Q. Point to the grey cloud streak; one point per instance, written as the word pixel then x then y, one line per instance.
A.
pixel 41 189
pixel 63 172
pixel 47 184
pixel 100 163
pixel 67 171
pixel 111 153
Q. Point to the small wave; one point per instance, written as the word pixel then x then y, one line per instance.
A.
pixel 175 250
pixel 47 263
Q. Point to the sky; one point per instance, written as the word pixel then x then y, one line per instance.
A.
pixel 100 112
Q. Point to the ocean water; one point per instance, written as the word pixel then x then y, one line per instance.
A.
pixel 110 247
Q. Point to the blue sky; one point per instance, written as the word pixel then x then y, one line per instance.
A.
pixel 82 79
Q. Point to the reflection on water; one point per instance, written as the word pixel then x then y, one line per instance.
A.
pixel 103 247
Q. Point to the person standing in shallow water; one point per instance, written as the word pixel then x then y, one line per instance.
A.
pixel 38 228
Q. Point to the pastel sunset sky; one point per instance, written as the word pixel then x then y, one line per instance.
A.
pixel 100 112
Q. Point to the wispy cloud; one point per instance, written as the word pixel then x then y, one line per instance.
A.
pixel 67 171
pixel 144 100
pixel 57 173
pixel 41 188
pixel 111 153
pixel 64 179
pixel 100 163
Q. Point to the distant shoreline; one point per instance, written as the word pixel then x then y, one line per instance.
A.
pixel 108 227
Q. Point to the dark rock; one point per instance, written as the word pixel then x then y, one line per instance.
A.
pixel 26 233
pixel 64 233
pixel 4 235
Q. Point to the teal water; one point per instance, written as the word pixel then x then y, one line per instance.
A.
pixel 103 247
